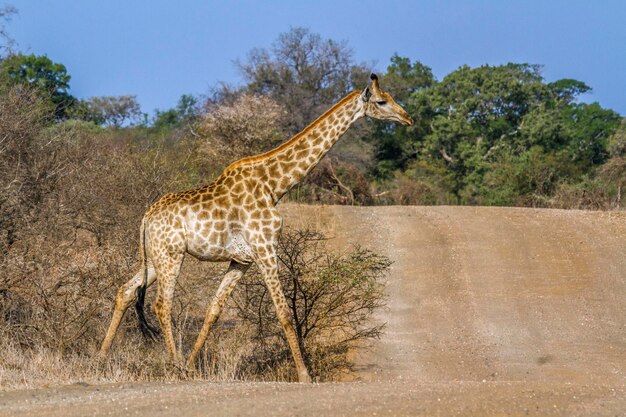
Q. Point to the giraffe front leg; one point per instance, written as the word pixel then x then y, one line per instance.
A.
pixel 125 296
pixel 268 265
pixel 232 276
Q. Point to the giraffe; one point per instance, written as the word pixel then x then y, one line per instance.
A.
pixel 234 219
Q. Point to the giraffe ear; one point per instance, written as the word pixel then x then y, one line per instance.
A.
pixel 366 94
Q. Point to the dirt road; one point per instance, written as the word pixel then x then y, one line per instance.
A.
pixel 493 311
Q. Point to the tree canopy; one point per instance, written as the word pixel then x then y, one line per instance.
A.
pixel 497 134
pixel 40 72
pixel 186 111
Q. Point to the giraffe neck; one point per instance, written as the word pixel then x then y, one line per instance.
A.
pixel 285 166
pixel 291 162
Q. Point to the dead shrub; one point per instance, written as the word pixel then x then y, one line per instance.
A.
pixel 613 173
pixel 71 198
pixel 333 181
pixel 23 175
pixel 332 297
pixel 404 189
pixel 247 126
pixel 589 194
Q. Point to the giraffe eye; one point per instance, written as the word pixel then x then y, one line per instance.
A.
pixel 381 103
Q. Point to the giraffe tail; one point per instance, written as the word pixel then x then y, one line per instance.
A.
pixel 147 329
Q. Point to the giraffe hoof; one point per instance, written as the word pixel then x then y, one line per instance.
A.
pixel 304 378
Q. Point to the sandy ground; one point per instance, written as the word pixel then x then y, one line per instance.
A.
pixel 492 311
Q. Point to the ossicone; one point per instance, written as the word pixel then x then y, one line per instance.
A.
pixel 375 88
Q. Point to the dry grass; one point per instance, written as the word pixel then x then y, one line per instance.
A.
pixel 132 360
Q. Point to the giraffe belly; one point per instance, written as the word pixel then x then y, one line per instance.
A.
pixel 209 254
pixel 208 246
pixel 220 247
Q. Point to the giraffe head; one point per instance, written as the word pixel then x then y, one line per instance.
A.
pixel 380 105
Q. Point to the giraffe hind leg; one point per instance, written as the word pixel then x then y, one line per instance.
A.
pixel 167 268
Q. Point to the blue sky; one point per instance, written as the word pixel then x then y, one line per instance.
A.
pixel 159 50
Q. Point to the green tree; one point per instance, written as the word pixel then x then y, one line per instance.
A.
pixel 502 134
pixel 567 89
pixel 394 146
pixel 474 114
pixel 404 78
pixel 590 126
pixel 48 77
pixel 186 111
